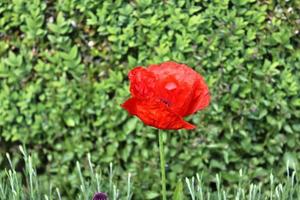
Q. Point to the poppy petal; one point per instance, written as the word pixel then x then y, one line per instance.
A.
pixel 155 113
pixel 142 82
pixel 201 98
pixel 180 87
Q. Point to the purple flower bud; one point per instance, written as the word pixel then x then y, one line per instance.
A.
pixel 100 196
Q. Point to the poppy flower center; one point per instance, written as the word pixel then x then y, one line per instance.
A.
pixel 171 86
pixel 165 101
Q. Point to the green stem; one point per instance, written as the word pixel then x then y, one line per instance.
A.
pixel 162 165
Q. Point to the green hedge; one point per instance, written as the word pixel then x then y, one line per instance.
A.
pixel 63 75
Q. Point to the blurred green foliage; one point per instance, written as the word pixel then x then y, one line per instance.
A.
pixel 63 75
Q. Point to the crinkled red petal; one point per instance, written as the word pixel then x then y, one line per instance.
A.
pixel 201 98
pixel 142 82
pixel 180 87
pixel 156 113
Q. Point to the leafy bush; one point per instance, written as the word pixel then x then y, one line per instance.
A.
pixel 63 75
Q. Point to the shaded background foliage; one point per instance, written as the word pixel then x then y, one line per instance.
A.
pixel 63 74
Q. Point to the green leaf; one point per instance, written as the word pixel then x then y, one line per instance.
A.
pixel 178 193
pixel 130 125
pixel 151 195
pixel 70 122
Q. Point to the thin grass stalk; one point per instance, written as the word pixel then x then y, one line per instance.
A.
pixel 128 186
pixel 58 194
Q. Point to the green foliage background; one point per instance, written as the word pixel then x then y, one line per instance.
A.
pixel 63 75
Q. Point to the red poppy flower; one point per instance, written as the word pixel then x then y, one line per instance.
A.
pixel 165 93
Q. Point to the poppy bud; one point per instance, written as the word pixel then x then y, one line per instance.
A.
pixel 100 196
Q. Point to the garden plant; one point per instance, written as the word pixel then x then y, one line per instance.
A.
pixel 64 68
